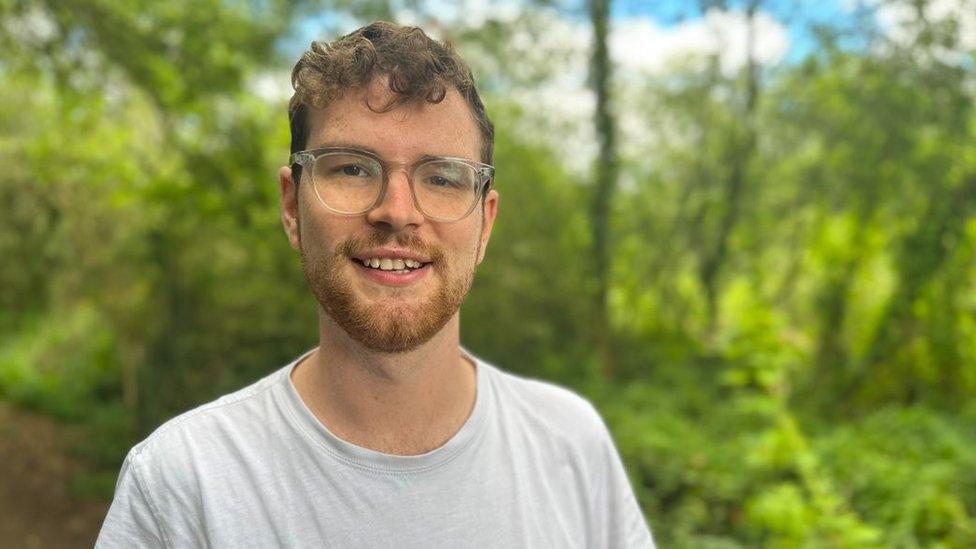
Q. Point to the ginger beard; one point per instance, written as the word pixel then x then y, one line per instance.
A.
pixel 384 326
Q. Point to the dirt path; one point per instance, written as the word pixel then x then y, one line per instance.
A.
pixel 36 508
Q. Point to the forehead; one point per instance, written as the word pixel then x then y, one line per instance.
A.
pixel 409 130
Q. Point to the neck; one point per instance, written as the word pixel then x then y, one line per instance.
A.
pixel 398 403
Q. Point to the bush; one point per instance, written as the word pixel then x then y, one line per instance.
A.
pixel 61 364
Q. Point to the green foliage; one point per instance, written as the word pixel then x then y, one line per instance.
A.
pixel 63 364
pixel 790 264
pixel 539 232
pixel 910 471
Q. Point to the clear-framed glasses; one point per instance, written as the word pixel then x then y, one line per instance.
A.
pixel 352 182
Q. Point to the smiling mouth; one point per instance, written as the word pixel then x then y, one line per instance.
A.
pixel 394 265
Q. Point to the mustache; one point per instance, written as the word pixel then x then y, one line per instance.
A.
pixel 354 245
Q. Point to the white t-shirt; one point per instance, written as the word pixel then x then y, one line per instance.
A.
pixel 533 466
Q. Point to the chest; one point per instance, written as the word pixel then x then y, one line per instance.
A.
pixel 496 497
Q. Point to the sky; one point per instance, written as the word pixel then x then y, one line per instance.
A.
pixel 644 35
pixel 645 40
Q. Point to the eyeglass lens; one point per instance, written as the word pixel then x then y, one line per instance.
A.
pixel 351 183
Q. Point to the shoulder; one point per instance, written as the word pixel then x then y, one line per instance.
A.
pixel 558 411
pixel 206 431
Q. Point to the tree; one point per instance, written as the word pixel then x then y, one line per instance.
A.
pixel 605 182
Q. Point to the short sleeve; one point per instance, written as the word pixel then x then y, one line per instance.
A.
pixel 625 523
pixel 131 520
pixel 631 529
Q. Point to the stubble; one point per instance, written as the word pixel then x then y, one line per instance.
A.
pixel 385 326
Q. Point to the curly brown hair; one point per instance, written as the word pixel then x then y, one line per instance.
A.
pixel 418 68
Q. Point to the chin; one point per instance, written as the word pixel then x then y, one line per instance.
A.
pixel 395 330
pixel 390 321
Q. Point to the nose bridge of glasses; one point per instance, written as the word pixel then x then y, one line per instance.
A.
pixel 403 167
pixel 400 188
pixel 392 168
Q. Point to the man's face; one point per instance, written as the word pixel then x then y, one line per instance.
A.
pixel 390 311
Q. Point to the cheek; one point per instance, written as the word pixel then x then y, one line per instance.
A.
pixel 314 227
pixel 314 234
pixel 465 246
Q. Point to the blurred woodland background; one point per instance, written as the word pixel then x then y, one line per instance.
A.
pixel 745 229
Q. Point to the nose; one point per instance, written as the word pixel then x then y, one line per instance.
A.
pixel 396 209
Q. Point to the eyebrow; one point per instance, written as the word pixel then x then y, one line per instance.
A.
pixel 358 147
pixel 343 145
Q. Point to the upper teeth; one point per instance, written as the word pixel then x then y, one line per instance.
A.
pixel 387 264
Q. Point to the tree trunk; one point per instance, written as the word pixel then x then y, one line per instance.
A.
pixel 743 147
pixel 606 181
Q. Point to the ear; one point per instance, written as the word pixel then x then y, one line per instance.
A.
pixel 491 210
pixel 289 205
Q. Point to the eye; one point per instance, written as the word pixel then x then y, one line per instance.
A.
pixel 441 181
pixel 353 170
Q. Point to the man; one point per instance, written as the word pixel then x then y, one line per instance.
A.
pixel 388 434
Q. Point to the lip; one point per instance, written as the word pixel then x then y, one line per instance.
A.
pixel 391 253
pixel 392 278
